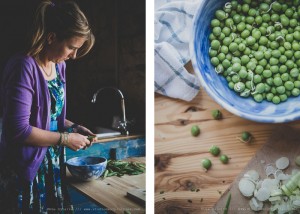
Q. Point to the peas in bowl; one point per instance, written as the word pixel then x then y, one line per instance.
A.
pixel 247 57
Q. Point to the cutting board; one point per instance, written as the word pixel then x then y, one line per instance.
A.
pixel 284 141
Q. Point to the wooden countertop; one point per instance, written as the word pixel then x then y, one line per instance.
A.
pixel 181 185
pixel 119 137
pixel 111 192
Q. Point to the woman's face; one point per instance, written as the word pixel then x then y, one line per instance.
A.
pixel 59 51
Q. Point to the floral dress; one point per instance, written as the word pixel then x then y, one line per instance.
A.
pixel 47 193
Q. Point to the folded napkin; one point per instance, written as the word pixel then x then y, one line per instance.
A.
pixel 173 26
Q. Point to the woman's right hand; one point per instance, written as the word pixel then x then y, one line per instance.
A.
pixel 77 141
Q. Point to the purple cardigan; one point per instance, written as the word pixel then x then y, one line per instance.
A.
pixel 26 103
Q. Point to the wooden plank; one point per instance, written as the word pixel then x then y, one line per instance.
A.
pixel 284 142
pixel 111 192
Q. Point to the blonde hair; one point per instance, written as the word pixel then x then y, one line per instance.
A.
pixel 63 18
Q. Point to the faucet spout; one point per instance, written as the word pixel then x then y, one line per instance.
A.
pixel 123 123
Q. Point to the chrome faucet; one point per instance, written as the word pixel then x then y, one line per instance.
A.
pixel 122 124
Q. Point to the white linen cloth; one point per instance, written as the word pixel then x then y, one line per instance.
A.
pixel 173 27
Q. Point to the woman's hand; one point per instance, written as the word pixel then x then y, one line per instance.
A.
pixel 84 131
pixel 77 141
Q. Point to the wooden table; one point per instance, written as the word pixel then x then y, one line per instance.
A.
pixel 111 192
pixel 181 185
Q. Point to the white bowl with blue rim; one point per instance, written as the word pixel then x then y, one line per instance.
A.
pixel 87 168
pixel 217 87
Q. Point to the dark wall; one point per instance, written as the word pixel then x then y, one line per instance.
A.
pixel 117 59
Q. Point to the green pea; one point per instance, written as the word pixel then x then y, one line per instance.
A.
pixel 297 84
pixel 283 97
pixel 245 8
pixel 285 77
pixel 220 14
pixel 297 54
pixel 295 92
pixel 289 54
pixel 274 69
pixel 226 63
pixel 296 46
pixel 215 44
pixel 215 23
pixel 250 40
pixel 296 35
pixel 263 62
pixel 195 130
pixel 206 163
pixel 221 56
pixel 289 85
pixel 270 81
pixel 263 40
pixel 266 17
pixel 277 81
pixel 275 17
pixel 273 61
pixel 258 20
pixel 270 96
pixel 215 61
pixel 259 69
pixel 216 114
pixel 246 137
pixel 258 98
pixel 260 88
pixel 242 47
pixel 235 78
pixel 251 66
pixel 268 54
pixel 224 159
pixel 214 150
pixel 276 99
pixel 294 72
pixel 229 22
pixel 263 7
pixel 236 18
pixel 243 73
pixel 236 67
pixel 282 69
pixel 233 47
pixel 239 87
pixel 241 26
pixel 257 78
pixel 231 85
pixel 280 89
pixel 276 6
pixel 282 59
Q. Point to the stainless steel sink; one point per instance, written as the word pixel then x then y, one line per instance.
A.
pixel 105 132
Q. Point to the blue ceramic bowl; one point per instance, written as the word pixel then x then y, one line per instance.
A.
pixel 217 86
pixel 86 168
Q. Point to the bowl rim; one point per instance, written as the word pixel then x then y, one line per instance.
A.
pixel 225 105
pixel 74 158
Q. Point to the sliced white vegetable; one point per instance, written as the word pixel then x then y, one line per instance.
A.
pixel 263 194
pixel 256 205
pixel 283 177
pixel 270 184
pixel 276 192
pixel 270 170
pixel 246 187
pixel 252 174
pixel 275 198
pixel 282 163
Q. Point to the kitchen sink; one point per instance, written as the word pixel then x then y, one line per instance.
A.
pixel 105 132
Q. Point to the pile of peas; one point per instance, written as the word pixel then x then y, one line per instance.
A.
pixel 254 44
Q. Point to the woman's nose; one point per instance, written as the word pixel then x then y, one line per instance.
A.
pixel 73 54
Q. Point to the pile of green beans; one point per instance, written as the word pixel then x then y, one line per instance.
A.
pixel 255 46
pixel 120 168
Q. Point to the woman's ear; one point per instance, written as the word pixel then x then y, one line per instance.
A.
pixel 51 38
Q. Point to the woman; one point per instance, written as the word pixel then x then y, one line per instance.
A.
pixel 34 109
